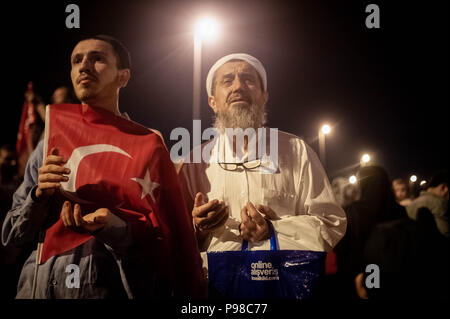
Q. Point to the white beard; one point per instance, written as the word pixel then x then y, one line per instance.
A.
pixel 253 116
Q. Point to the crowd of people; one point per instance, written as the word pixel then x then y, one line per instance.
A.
pixel 147 231
pixel 405 236
pixel 13 160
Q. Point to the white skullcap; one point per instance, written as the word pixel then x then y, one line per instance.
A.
pixel 236 56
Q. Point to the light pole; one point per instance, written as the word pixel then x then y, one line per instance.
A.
pixel 205 29
pixel 413 185
pixel 324 130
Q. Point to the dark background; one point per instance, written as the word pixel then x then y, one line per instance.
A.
pixel 384 91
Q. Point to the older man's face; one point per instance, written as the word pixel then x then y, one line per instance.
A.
pixel 95 76
pixel 237 91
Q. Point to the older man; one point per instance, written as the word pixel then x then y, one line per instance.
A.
pixel 121 243
pixel 234 193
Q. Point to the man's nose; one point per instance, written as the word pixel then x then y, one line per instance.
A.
pixel 238 85
pixel 85 65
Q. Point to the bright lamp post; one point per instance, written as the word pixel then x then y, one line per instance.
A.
pixel 324 130
pixel 205 29
pixel 365 159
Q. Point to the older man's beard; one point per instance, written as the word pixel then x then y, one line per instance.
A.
pixel 253 116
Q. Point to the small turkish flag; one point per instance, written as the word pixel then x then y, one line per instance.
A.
pixel 24 143
pixel 121 165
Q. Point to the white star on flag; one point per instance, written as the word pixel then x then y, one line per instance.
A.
pixel 147 185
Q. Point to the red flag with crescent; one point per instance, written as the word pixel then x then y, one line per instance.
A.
pixel 121 165
pixel 24 143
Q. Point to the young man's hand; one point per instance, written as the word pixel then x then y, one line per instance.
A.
pixel 51 174
pixel 73 219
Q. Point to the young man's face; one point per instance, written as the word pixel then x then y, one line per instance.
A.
pixel 95 76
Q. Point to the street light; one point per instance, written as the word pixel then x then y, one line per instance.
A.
pixel 413 178
pixel 365 159
pixel 423 182
pixel 324 130
pixel 206 28
pixel 352 179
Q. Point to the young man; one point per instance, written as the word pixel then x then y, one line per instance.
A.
pixel 118 228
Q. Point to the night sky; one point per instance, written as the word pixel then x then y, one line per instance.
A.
pixel 384 91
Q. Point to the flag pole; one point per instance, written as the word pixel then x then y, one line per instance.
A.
pixel 38 261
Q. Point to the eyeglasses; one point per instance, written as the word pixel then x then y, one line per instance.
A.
pixel 246 165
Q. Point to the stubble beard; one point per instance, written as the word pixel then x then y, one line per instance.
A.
pixel 85 95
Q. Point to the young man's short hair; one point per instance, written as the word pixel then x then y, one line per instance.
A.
pixel 438 179
pixel 123 56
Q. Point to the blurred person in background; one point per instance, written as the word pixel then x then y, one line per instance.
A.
pixel 376 204
pixel 401 191
pixel 345 192
pixel 9 179
pixel 412 257
pixel 10 257
pixel 435 198
pixel 61 95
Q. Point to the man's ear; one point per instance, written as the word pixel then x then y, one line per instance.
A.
pixel 124 77
pixel 444 189
pixel 212 103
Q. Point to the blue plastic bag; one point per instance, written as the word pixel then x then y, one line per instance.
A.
pixel 272 274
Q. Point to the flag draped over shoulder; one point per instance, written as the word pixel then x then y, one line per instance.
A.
pixel 121 165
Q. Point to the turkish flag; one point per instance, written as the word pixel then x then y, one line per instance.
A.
pixel 24 139
pixel 24 143
pixel 121 165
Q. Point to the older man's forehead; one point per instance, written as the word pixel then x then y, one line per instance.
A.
pixel 93 45
pixel 233 67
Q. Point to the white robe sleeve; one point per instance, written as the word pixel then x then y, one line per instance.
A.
pixel 318 222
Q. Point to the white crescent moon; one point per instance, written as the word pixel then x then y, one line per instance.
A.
pixel 81 152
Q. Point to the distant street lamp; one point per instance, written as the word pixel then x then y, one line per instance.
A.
pixel 324 130
pixel 423 182
pixel 365 159
pixel 205 29
pixel 352 179
pixel 413 178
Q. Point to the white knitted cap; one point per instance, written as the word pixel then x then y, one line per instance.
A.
pixel 236 56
